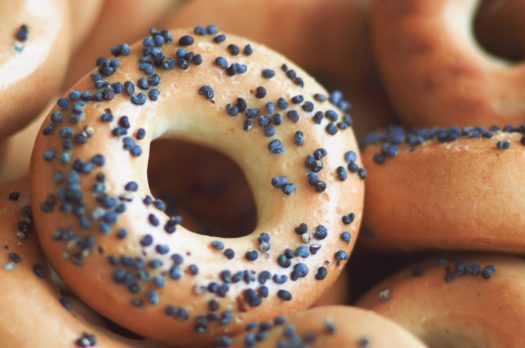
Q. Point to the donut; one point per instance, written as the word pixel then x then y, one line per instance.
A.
pixel 445 188
pixel 337 52
pixel 138 266
pixel 15 151
pixel 28 294
pixel 456 301
pixel 119 21
pixel 84 15
pixel 336 326
pixel 35 41
pixel 499 28
pixel 434 71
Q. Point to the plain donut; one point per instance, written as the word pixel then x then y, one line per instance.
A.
pixel 434 71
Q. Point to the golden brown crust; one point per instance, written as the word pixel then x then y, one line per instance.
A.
pixel 84 15
pixel 32 314
pixel 31 70
pixel 435 73
pixel 17 149
pixel 182 112
pixel 353 327
pixel 337 51
pixel 465 311
pixel 337 294
pixel 464 194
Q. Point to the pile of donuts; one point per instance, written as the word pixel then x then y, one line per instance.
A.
pixel 262 173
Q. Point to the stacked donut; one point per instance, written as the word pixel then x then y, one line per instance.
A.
pixel 196 188
pixel 454 187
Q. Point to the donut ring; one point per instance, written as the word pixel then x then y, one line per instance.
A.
pixel 462 185
pixel 461 301
pixel 338 53
pixel 336 326
pixel 434 72
pixel 28 293
pixel 183 288
pixel 35 47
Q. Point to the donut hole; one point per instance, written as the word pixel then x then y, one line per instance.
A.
pixel 499 31
pixel 202 185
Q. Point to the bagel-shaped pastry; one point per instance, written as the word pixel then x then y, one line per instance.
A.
pixel 460 301
pixel 448 188
pixel 336 326
pixel 112 242
pixel 499 28
pixel 336 52
pixel 434 71
pixel 84 15
pixel 15 151
pixel 119 21
pixel 34 52
pixel 28 294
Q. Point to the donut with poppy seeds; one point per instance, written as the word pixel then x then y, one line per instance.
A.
pixel 29 295
pixel 327 52
pixel 456 301
pixel 140 267
pixel 118 21
pixel 445 188
pixel 434 71
pixel 337 326
pixel 35 40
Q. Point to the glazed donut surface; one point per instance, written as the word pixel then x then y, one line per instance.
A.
pixel 434 71
pixel 34 313
pixel 34 52
pixel 461 301
pixel 336 326
pixel 147 272
pixel 445 189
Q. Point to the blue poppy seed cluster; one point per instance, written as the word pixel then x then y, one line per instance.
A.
pixel 393 137
pixel 98 211
pixel 23 233
pixel 290 336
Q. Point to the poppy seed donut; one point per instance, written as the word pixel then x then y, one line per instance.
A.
pixel 450 188
pixel 99 225
pixel 336 326
pixel 29 295
pixel 456 301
